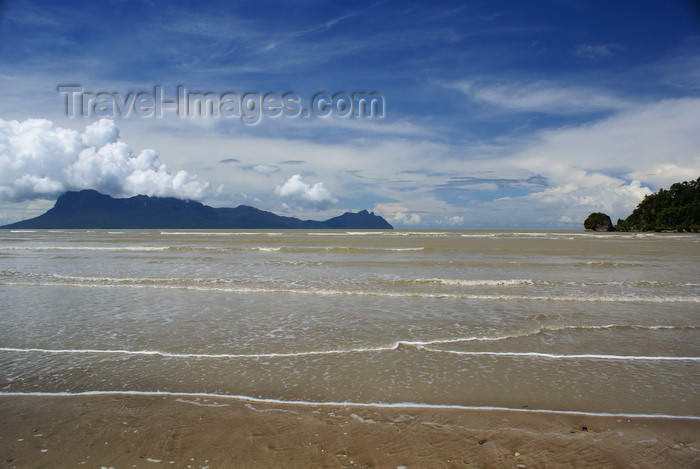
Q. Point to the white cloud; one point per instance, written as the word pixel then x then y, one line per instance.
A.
pixel 405 218
pixel 299 195
pixel 665 174
pixel 264 169
pixel 100 134
pixel 40 161
pixel 540 96
pixel 576 197
pixel 452 221
pixel 397 214
pixel 607 166
pixel 655 143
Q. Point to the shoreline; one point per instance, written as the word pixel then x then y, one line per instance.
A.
pixel 380 405
pixel 123 429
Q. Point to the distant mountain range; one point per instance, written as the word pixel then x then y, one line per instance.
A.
pixel 89 209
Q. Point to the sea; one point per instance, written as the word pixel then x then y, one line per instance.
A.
pixel 583 322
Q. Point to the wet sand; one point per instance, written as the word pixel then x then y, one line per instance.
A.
pixel 125 431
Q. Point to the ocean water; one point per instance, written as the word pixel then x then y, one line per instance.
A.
pixel 563 321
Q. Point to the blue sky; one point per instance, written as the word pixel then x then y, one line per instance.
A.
pixel 497 114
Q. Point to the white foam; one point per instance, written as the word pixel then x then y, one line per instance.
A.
pixel 377 293
pixel 197 355
pixel 345 249
pixel 421 233
pixel 478 235
pixel 84 248
pixel 570 356
pixel 415 345
pixel 201 404
pixel 250 406
pixel 548 328
pixel 212 233
pixel 345 233
pixel 475 282
pixel 409 405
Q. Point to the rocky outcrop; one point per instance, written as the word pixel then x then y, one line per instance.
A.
pixel 598 222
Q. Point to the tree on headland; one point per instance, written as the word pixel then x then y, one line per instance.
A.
pixel 598 222
pixel 675 209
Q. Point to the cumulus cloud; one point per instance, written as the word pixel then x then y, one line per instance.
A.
pixel 397 214
pixel 582 193
pixel 453 220
pixel 405 218
pixel 41 161
pixel 298 195
pixel 608 165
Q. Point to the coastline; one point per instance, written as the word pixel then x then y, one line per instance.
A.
pixel 179 430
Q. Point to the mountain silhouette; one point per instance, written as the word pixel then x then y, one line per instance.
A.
pixel 89 209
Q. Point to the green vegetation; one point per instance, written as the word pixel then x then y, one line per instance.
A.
pixel 598 222
pixel 675 209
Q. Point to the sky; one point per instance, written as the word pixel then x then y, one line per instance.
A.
pixel 453 115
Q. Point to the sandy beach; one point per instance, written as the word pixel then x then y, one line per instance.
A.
pixel 125 431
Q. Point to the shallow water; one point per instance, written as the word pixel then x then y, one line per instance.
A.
pixel 591 322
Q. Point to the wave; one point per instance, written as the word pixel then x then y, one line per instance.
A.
pixel 221 233
pixel 184 284
pixel 355 249
pixel 563 235
pixel 442 253
pixel 554 328
pixel 420 346
pixel 295 249
pixel 345 233
pixel 572 356
pixel 334 249
pixel 417 233
pixel 388 282
pixel 411 405
pixel 572 235
pixel 196 355
pixel 84 248
pixel 541 330
pixel 624 327
pixel 292 249
pixel 477 282
pixel 387 233
pixel 533 282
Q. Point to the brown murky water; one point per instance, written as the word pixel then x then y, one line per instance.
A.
pixel 549 320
